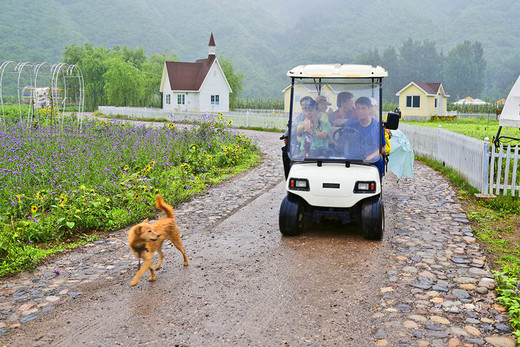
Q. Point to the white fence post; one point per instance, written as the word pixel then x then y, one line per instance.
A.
pixel 515 187
pixel 485 166
pixel 499 170
pixel 492 170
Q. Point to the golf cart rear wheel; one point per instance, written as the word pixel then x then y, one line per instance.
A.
pixel 291 217
pixel 373 219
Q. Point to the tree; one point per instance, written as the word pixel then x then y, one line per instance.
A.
pixel 119 76
pixel 122 83
pixel 234 79
pixel 392 84
pixel 465 70
pixel 93 63
pixel 420 61
pixel 371 57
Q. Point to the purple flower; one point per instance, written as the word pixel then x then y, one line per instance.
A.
pixel 57 272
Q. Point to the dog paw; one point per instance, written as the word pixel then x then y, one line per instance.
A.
pixel 158 268
pixel 133 283
pixel 151 279
pixel 185 263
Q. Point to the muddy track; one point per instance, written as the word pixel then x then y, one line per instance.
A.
pixel 248 285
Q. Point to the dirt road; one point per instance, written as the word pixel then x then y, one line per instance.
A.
pixel 425 284
pixel 245 285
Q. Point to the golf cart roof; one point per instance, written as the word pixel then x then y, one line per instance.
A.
pixel 337 71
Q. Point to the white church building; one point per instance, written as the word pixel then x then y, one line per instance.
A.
pixel 198 87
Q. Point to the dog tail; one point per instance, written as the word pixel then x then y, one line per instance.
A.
pixel 159 202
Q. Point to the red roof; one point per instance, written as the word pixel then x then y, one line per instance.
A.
pixel 429 88
pixel 189 76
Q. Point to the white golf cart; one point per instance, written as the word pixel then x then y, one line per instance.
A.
pixel 336 159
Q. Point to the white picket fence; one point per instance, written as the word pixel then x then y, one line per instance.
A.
pixel 272 119
pixel 503 171
pixel 466 155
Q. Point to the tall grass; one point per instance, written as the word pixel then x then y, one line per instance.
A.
pixel 259 104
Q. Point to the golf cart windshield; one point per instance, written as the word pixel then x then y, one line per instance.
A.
pixel 336 119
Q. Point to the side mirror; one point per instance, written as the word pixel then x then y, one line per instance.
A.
pixel 392 121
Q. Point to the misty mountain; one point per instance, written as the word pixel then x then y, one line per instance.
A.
pixel 266 38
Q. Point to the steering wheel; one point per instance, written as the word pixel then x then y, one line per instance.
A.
pixel 346 138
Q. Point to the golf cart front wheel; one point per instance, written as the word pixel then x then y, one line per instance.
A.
pixel 291 217
pixel 373 219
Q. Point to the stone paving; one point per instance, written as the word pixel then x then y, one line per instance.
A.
pixel 438 290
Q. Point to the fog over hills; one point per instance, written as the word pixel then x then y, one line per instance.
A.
pixel 266 38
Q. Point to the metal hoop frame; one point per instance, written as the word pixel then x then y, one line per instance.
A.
pixel 56 74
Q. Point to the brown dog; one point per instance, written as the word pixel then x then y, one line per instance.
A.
pixel 146 239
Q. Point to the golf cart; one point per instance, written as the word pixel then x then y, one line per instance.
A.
pixel 336 159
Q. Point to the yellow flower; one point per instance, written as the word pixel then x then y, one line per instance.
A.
pixel 148 168
pixel 34 209
pixel 19 198
pixel 230 122
pixel 220 117
pixel 171 125
pixel 136 196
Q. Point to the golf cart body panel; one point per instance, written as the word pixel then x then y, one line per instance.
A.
pixel 333 184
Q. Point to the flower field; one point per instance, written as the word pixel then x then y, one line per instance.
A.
pixel 57 185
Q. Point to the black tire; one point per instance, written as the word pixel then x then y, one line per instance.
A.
pixel 373 218
pixel 291 218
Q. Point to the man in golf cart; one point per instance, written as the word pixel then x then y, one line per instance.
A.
pixel 370 132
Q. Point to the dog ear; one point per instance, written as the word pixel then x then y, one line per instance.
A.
pixel 145 221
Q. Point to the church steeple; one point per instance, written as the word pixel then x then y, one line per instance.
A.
pixel 211 45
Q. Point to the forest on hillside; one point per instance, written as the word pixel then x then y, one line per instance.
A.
pixel 266 39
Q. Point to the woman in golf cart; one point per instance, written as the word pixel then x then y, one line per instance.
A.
pixel 313 132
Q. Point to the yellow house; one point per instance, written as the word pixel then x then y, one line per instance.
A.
pixel 302 90
pixel 500 103
pixel 423 100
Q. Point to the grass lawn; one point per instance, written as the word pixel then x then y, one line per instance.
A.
pixel 478 128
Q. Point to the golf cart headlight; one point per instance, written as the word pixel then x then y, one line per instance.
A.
pixel 365 187
pixel 298 184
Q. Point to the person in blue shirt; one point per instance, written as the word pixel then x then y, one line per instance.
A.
pixel 371 134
